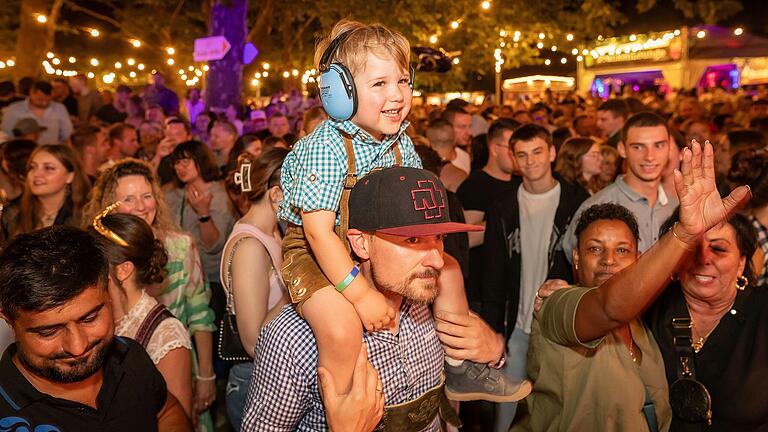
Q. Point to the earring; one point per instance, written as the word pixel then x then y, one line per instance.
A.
pixel 741 282
pixel 575 266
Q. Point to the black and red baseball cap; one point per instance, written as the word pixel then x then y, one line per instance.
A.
pixel 407 202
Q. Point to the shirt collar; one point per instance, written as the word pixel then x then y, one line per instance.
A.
pixel 635 196
pixel 356 131
pixel 17 392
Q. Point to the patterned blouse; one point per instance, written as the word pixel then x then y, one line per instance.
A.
pixel 169 334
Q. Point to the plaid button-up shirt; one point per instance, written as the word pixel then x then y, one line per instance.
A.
pixel 284 396
pixel 313 173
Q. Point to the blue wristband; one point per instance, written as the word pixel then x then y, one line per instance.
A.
pixel 341 286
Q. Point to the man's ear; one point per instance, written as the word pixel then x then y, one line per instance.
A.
pixel 359 242
pixel 621 149
pixel 124 270
pixel 552 153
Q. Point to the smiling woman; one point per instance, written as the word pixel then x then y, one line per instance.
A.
pixel 54 193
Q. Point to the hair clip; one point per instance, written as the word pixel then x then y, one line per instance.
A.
pixel 106 232
pixel 243 177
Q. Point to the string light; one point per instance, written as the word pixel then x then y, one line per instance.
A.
pixel 254 82
pixel 91 75
pixel 575 51
pixel 738 31
pixel 265 66
pixel 56 61
pixel 50 55
pixel 502 33
pixel 108 78
pixel 454 25
pixel 94 33
pixel 118 65
pixel 579 58
pixel 170 61
pixel 265 74
pixel 485 5
pixel 456 60
pixel 198 72
pixel 547 62
pixel 257 75
pixel 140 66
pixel 433 39
pixel 94 62
pixel 554 48
pixel 181 71
pixel 205 68
pixel 542 36
pixel 563 60
pixel 131 62
pixel 72 59
pixel 170 51
pixel 584 51
pixel 191 68
pixel 677 32
pixel 569 37
pixel 632 38
pixel 295 72
pixel 136 43
pixel 42 19
pixel 286 74
pixel 540 45
pixel 701 34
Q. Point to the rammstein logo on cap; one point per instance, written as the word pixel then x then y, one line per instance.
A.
pixel 429 198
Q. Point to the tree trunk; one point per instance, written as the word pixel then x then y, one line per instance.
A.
pixel 225 77
pixel 34 38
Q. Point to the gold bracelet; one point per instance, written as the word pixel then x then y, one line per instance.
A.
pixel 686 245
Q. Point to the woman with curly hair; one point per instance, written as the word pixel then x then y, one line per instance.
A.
pixel 579 161
pixel 185 291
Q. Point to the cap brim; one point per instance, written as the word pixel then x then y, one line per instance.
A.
pixel 430 229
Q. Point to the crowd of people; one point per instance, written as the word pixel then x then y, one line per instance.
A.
pixel 592 278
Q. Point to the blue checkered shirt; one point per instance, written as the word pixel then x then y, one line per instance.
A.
pixel 762 242
pixel 283 395
pixel 313 173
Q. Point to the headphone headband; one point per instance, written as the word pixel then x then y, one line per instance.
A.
pixel 325 59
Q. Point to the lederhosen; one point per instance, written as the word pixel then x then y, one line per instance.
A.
pixel 301 273
pixel 158 314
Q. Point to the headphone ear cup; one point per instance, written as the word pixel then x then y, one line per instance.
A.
pixel 337 92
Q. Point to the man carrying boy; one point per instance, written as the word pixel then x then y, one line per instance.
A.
pixel 365 86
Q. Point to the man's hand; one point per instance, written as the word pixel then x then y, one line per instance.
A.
pixel 468 337
pixel 362 408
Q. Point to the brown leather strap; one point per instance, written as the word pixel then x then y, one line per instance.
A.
pixel 349 182
pixel 398 155
pixel 158 314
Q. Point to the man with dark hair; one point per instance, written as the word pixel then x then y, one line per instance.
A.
pixel 176 132
pixel 63 93
pixel 280 127
pixel 461 122
pixel 123 141
pixel 522 116
pixel 116 111
pixel 442 140
pixel 540 113
pixel 158 94
pixel 67 370
pixel 645 144
pixel 48 114
pixel 92 144
pixel 584 126
pixel 611 116
pixel 223 138
pixel 481 190
pixel 522 247
pixel 8 94
pixel 88 99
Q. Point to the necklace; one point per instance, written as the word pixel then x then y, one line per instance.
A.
pixel 698 344
pixel 632 352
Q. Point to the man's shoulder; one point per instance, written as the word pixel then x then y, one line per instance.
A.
pixel 287 335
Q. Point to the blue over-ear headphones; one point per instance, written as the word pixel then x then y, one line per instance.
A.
pixel 337 87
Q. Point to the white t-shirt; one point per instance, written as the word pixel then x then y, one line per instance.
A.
pixel 537 215
pixel 462 160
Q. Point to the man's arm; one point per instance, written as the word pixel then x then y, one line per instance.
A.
pixel 172 417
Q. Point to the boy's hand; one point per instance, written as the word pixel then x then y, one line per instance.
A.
pixel 374 310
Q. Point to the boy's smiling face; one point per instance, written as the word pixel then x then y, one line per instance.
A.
pixel 383 96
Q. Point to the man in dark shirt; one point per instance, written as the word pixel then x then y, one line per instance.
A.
pixel 116 111
pixel 159 94
pixel 67 371
pixel 481 190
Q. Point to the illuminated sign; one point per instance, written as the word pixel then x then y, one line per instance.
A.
pixel 656 47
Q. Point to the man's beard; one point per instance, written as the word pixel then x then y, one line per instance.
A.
pixel 77 371
pixel 415 287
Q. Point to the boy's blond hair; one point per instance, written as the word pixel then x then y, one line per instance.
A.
pixel 364 39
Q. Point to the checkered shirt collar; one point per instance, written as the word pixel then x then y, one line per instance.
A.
pixel 355 131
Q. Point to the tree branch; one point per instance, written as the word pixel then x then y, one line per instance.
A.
pixel 77 8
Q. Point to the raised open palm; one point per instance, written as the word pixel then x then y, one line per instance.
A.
pixel 701 207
